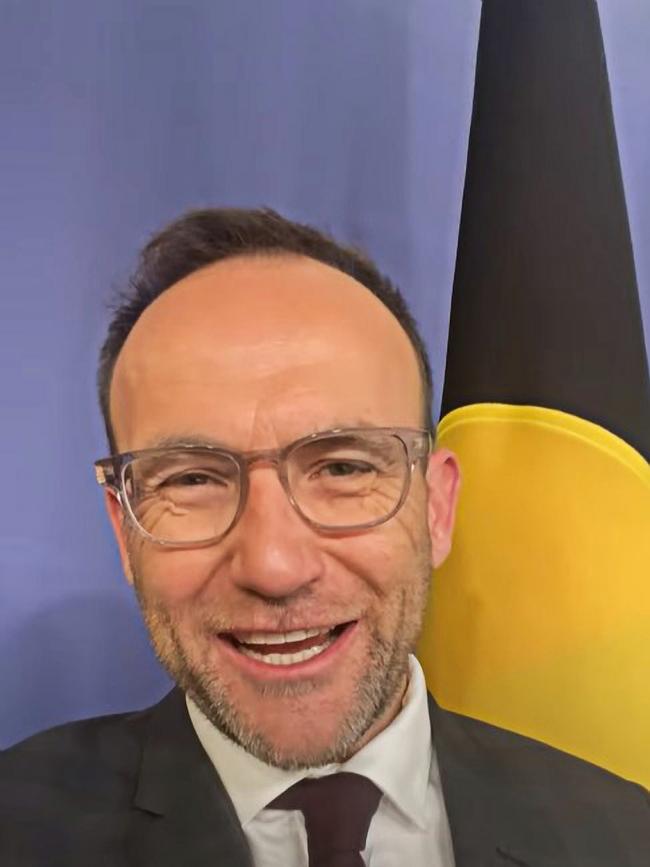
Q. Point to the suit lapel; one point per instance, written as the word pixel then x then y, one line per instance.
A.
pixel 491 825
pixel 511 801
pixel 182 813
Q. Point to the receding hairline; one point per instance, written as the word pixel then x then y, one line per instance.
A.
pixel 274 257
pixel 200 238
pixel 278 256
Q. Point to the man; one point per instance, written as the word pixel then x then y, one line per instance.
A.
pixel 279 509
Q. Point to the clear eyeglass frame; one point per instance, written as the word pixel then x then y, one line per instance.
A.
pixel 110 474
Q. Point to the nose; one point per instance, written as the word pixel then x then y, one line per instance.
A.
pixel 274 553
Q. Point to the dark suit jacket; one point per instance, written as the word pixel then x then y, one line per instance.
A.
pixel 137 790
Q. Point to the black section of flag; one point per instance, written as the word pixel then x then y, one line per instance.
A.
pixel 545 307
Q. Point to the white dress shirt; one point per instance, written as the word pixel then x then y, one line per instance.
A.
pixel 410 825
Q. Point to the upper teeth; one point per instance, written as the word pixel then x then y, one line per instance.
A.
pixel 277 637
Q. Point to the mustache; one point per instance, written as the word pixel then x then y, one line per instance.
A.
pixel 270 619
pixel 265 615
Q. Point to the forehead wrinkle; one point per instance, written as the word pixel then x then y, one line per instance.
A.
pixel 199 440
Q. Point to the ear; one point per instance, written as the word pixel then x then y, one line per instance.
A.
pixel 443 482
pixel 117 519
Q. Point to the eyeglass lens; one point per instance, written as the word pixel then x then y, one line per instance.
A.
pixel 340 481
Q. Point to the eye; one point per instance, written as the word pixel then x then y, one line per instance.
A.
pixel 338 469
pixel 193 479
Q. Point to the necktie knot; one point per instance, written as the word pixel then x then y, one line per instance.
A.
pixel 337 810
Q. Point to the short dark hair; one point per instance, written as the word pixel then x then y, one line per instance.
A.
pixel 201 237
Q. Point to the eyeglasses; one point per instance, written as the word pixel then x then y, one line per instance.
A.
pixel 348 479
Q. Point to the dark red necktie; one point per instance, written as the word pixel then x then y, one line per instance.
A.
pixel 337 811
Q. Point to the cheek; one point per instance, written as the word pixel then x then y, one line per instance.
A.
pixel 389 558
pixel 172 576
pixel 403 565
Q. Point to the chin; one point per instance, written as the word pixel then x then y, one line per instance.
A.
pixel 293 749
pixel 291 731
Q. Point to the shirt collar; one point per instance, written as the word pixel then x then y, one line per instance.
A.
pixel 393 760
pixel 398 760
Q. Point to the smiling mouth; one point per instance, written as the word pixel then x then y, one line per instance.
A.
pixel 285 648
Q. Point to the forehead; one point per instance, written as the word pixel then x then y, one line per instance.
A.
pixel 282 341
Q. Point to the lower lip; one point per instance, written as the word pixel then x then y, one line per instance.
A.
pixel 310 667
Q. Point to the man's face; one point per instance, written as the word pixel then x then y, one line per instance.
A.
pixel 254 353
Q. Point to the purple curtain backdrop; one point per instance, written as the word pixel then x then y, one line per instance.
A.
pixel 353 114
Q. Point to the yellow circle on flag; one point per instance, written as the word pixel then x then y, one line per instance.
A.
pixel 539 621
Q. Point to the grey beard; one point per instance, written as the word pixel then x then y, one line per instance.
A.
pixel 374 693
pixel 375 690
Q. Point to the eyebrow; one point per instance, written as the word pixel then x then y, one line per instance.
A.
pixel 171 441
pixel 179 440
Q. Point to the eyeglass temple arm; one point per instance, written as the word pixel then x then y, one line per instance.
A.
pixel 105 476
pixel 423 447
